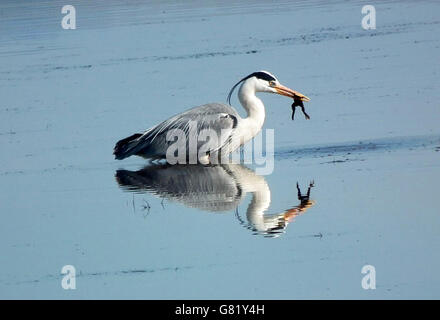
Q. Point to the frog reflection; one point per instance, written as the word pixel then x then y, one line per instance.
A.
pixel 217 188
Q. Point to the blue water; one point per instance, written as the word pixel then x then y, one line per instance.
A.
pixel 372 149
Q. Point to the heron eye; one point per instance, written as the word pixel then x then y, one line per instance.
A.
pixel 272 83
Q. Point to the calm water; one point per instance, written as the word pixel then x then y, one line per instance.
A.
pixel 370 153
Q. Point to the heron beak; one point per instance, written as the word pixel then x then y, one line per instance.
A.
pixel 284 91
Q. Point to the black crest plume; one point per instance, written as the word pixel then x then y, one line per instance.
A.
pixel 260 75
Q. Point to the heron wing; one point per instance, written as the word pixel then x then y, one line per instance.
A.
pixel 219 119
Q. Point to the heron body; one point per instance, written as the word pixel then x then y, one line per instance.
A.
pixel 213 119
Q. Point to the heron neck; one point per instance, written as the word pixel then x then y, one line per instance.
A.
pixel 252 104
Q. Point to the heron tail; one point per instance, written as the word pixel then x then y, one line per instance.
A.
pixel 125 147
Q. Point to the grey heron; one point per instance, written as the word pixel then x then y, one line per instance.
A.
pixel 231 130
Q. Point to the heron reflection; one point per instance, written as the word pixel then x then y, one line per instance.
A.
pixel 218 188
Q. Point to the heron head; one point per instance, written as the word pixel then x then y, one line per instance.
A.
pixel 264 81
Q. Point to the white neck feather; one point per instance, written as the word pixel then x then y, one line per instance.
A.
pixel 254 108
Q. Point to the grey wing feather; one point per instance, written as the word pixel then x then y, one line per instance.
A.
pixel 220 118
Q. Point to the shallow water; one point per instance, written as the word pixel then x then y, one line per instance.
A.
pixel 372 149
